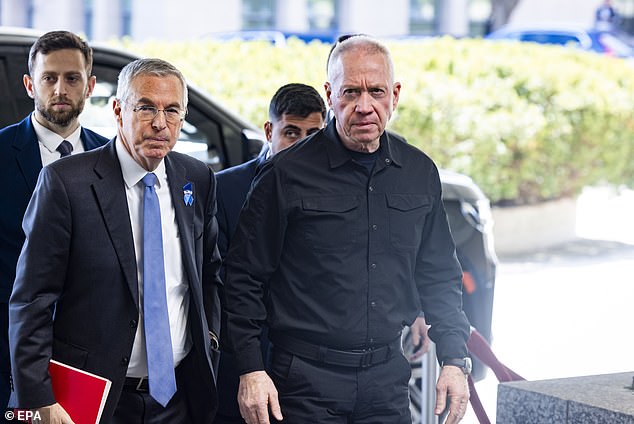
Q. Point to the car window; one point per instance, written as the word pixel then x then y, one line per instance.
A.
pixel 210 133
pixel 14 102
pixel 194 141
pixel 545 38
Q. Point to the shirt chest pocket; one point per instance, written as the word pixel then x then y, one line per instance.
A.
pixel 407 214
pixel 328 222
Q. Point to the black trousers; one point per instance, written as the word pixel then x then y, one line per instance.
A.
pixel 228 383
pixel 313 392
pixel 136 407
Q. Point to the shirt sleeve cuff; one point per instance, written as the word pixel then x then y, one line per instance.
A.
pixel 452 346
pixel 249 360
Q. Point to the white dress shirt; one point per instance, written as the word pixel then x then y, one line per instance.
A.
pixel 177 288
pixel 49 141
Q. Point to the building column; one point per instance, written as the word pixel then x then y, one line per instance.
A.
pixel 452 17
pixel 14 13
pixel 291 15
pixel 377 18
pixel 53 15
pixel 107 19
pixel 183 20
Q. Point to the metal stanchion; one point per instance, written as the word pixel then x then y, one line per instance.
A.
pixel 422 384
pixel 429 376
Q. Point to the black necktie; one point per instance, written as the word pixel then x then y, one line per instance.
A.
pixel 65 148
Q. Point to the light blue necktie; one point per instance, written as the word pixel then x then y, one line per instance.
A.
pixel 160 360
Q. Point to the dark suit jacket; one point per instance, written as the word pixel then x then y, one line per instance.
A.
pixel 78 261
pixel 20 164
pixel 233 186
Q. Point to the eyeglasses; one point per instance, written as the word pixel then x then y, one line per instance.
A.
pixel 148 113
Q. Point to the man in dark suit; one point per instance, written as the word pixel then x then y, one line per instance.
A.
pixel 59 81
pixel 121 245
pixel 295 111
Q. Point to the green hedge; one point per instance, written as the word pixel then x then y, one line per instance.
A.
pixel 528 123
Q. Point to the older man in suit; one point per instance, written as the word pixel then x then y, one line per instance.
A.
pixel 121 245
pixel 295 111
pixel 59 81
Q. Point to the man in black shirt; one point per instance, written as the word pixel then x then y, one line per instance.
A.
pixel 342 241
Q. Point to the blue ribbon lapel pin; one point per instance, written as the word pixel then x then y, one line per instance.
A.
pixel 188 194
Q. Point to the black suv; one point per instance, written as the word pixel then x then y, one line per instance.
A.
pixel 218 137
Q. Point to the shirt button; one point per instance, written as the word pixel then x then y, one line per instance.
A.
pixel 388 161
pixel 373 304
pixel 371 188
pixel 374 227
pixel 373 266
pixel 371 339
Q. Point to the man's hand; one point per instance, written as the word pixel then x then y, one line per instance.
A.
pixel 420 339
pixel 52 414
pixel 452 383
pixel 256 395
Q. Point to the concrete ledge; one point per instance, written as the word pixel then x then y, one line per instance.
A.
pixel 525 229
pixel 578 400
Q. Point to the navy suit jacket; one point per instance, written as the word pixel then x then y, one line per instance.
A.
pixel 75 296
pixel 234 185
pixel 20 164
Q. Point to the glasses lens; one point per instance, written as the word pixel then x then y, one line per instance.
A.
pixel 172 115
pixel 148 113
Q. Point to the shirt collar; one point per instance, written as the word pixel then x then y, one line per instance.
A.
pixel 132 171
pixel 50 139
pixel 338 154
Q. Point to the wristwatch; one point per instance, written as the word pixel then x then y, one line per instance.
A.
pixel 463 363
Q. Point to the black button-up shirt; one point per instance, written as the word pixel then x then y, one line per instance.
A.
pixel 331 254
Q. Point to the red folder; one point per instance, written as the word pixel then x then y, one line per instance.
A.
pixel 82 394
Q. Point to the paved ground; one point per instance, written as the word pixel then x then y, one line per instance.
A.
pixel 568 311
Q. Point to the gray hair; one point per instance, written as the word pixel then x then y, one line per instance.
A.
pixel 154 67
pixel 364 43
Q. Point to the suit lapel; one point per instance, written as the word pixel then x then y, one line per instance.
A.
pixel 111 196
pixel 177 179
pixel 28 152
pixel 88 140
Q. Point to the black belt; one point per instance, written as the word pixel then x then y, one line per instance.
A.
pixel 356 358
pixel 142 385
pixel 137 384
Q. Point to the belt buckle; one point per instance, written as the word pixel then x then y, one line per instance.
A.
pixel 366 358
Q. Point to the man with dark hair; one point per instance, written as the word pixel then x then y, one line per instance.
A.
pixel 119 271
pixel 295 111
pixel 342 241
pixel 59 82
pixel 59 40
